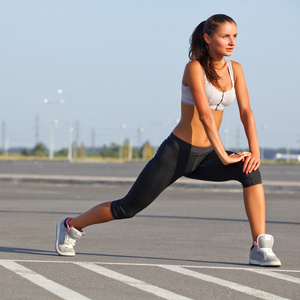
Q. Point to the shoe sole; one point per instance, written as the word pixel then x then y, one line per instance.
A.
pixel 264 264
pixel 56 242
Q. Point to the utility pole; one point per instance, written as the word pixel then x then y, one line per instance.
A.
pixel 53 123
pixel 76 144
pixel 70 129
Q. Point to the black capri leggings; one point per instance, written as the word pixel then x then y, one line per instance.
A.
pixel 174 159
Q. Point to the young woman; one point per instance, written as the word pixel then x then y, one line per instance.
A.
pixel 194 148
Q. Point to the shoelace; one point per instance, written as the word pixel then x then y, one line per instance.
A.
pixel 69 241
pixel 267 251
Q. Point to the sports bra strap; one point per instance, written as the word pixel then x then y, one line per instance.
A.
pixel 230 71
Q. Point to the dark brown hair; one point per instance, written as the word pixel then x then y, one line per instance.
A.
pixel 199 48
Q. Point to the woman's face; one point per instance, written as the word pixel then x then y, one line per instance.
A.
pixel 223 41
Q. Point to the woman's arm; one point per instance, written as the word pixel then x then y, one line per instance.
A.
pixel 252 162
pixel 194 78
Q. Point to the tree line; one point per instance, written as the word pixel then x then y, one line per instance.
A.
pixel 114 151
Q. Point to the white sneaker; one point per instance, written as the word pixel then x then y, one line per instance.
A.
pixel 261 253
pixel 66 237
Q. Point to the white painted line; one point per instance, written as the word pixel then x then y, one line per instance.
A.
pixel 152 265
pixel 152 289
pixel 42 281
pixel 276 275
pixel 231 285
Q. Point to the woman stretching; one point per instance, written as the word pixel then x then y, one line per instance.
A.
pixel 194 148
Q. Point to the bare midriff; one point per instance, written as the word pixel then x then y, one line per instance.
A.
pixel 190 128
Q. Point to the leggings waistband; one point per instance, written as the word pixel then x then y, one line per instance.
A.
pixel 187 146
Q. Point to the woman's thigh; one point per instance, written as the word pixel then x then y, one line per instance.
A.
pixel 212 169
pixel 165 168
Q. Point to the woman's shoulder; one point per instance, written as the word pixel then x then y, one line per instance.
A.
pixel 237 69
pixel 193 70
pixel 235 65
pixel 194 66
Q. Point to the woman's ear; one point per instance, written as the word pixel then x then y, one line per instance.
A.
pixel 206 38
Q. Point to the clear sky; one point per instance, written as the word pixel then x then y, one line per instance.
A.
pixel 121 63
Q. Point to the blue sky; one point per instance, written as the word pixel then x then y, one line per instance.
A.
pixel 121 62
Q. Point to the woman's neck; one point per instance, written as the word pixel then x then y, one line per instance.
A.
pixel 219 64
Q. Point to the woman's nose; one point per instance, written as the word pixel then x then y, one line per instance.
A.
pixel 232 41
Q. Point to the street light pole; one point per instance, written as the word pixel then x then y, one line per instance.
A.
pixel 52 122
pixel 70 130
pixel 123 126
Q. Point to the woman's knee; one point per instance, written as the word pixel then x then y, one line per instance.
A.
pixel 120 211
pixel 250 179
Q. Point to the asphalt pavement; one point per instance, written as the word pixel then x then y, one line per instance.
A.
pixel 275 177
pixel 192 243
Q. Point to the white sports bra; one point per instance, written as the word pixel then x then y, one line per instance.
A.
pixel 217 100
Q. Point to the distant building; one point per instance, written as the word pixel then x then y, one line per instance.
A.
pixel 287 157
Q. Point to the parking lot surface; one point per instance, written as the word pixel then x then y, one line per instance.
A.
pixel 192 243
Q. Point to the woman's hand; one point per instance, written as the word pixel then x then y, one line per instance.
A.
pixel 251 163
pixel 236 157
